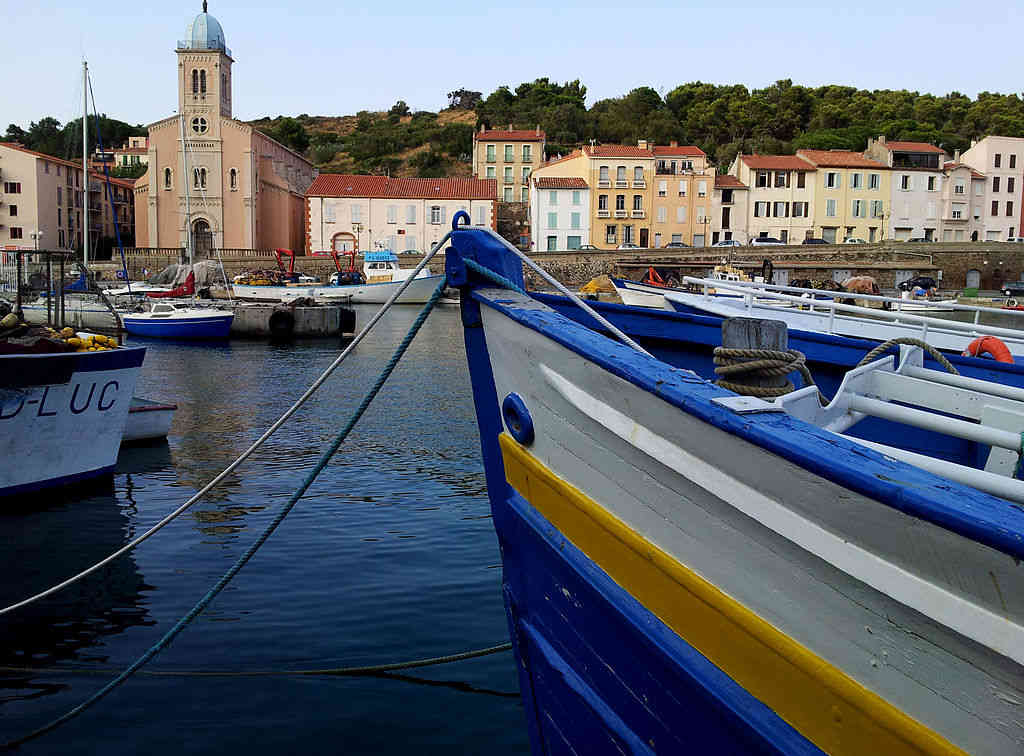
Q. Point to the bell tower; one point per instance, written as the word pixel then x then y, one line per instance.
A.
pixel 204 76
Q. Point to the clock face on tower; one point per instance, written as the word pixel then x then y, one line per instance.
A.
pixel 199 125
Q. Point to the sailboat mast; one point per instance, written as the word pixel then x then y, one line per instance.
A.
pixel 85 162
pixel 184 181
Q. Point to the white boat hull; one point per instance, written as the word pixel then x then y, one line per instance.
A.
pixel 62 416
pixel 419 291
pixel 80 313
pixel 147 421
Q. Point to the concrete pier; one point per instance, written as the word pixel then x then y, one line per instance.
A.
pixel 283 321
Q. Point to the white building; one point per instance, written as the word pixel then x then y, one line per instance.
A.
pixel 963 194
pixel 1001 160
pixel 345 212
pixel 559 213
pixel 916 189
pixel 779 198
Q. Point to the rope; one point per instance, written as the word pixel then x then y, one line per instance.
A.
pixel 325 457
pixel 885 345
pixel 244 455
pixel 336 671
pixel 735 364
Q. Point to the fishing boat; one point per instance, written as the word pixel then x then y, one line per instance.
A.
pixel 825 312
pixel 147 421
pixel 687 570
pixel 641 294
pixel 62 415
pixel 381 277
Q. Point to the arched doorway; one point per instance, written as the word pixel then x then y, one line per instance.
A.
pixel 202 238
pixel 343 242
pixel 973 278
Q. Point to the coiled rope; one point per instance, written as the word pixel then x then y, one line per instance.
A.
pixel 325 457
pixel 734 364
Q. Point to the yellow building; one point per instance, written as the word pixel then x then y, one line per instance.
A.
pixel 681 196
pixel 851 195
pixel 509 157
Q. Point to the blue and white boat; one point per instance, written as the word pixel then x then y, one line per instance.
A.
pixel 62 416
pixel 689 571
pixel 180 322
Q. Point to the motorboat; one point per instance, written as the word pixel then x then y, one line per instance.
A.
pixel 179 321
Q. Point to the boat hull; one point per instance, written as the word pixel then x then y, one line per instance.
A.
pixel 147 421
pixel 419 291
pixel 80 313
pixel 62 416
pixel 207 328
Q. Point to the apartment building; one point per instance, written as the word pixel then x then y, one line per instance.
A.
pixel 41 200
pixel 781 197
pixel 133 153
pixel 729 209
pixel 851 195
pixel 559 213
pixel 346 212
pixel 1001 160
pixel 916 186
pixel 963 196
pixel 508 157
pixel 682 195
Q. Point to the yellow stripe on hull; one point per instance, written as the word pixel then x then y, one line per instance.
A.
pixel 833 711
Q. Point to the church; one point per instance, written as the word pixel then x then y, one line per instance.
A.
pixel 235 187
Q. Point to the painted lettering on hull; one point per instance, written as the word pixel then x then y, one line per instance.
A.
pixel 80 399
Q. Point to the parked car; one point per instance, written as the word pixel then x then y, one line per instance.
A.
pixel 727 243
pixel 813 240
pixel 767 241
pixel 586 246
pixel 918 282
pixel 412 252
pixel 1016 239
pixel 628 245
pixel 676 245
pixel 853 240
pixel 919 240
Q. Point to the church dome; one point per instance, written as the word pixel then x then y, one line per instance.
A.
pixel 205 33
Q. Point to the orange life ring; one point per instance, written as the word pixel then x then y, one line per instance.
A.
pixel 991 346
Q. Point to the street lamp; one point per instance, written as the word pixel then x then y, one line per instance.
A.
pixel 705 220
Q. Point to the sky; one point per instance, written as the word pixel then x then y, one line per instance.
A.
pixel 336 58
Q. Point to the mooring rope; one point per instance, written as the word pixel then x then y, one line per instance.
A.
pixel 325 457
pixel 244 455
pixel 911 341
pixel 733 365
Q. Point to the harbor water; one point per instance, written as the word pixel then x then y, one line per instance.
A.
pixel 390 556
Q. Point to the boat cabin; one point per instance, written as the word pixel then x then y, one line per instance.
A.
pixel 380 266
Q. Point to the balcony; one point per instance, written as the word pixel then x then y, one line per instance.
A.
pixel 637 214
pixel 664 170
pixel 603 214
pixel 621 184
pixel 640 184
pixel 620 213
pixel 604 184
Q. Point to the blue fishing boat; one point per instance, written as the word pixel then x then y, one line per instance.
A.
pixel 687 570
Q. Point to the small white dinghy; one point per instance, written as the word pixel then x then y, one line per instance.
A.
pixel 147 421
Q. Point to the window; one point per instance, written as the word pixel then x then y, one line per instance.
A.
pixel 13 210
pixel 762 209
pixel 995 207
pixel 1010 183
pixel 602 202
pixel 357 214
pixel 801 180
pixel 830 208
pixel 856 180
pixel 620 175
pixel 610 234
pixel 199 178
pixel 627 234
pixel 858 209
pixel 195 81
pixel 1009 209
pixel 60 195
pixel 958 212
pixel 392 214
pixel 58 170
pixel 509 156
pixel 702 188
pixel 435 215
pixel 998 160
pixel 573 242
pixel 661 214
pixel 527 153
pixel 508 175
pixel 233 179
pixel 329 213
pixel 979 189
pixel 410 213
pixel 620 201
pixel 638 202
pixel 552 198
pixel 526 174
pixel 681 214
pixel 781 210
pixel 202 81
pixel 931 210
pixel 662 188
pixel 727 196
pixel 1013 163
pixel 481 215
pixel 199 125
pixel 682 188
pixel 780 179
pixel 876 208
pixel 831 180
pixel 167 178
pixel 16 233
pixel 12 187
pixel 490 172
pixel 59 217
pixel 677 238
pixel 638 175
pixel 60 237
pixel 799 210
pixel 958 187
pixel 490 153
pixel 931 184
pixel 905 182
pixel 762 179
pixel 603 174
pixel 574 221
pixel 577 197
pixel 874 181
pixel 995 183
pixel 552 243
pixel 552 220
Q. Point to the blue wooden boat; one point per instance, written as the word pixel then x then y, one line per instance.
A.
pixel 180 322
pixel 689 573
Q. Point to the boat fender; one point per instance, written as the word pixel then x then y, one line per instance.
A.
pixel 517 419
pixel 991 346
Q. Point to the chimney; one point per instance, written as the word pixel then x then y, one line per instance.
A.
pixel 641 143
pixel 956 156
pixel 510 127
pixel 483 128
pixel 673 143
pixel 538 129
pixel 881 138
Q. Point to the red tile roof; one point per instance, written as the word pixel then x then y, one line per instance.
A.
pixel 561 183
pixel 912 147
pixel 687 150
pixel 570 156
pixel 951 165
pixel 839 159
pixel 43 155
pixel 344 185
pixel 617 150
pixel 516 135
pixel 728 181
pixel 125 183
pixel 777 162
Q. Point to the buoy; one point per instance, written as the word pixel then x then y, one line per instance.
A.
pixel 991 346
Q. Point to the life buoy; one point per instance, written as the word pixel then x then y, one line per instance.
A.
pixel 991 346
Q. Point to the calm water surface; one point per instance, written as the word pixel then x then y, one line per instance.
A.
pixel 390 556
